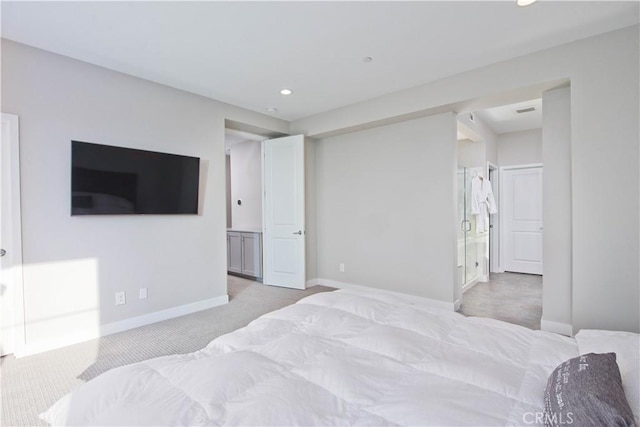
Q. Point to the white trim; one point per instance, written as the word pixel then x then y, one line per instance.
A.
pixel 19 347
pixel 501 205
pixel 263 200
pixel 523 166
pixel 470 284
pixel 556 327
pixel 126 324
pixel 158 316
pixel 450 306
pixel 313 282
pixel 494 250
pixel 491 165
pixel 245 135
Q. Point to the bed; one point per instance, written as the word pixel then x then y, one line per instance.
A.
pixel 348 358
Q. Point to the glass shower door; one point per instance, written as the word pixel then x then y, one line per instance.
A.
pixel 461 226
pixel 467 244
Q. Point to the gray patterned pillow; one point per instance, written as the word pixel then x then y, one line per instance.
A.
pixel 587 391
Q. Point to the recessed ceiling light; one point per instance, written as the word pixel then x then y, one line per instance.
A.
pixel 525 2
pixel 286 92
pixel 367 59
pixel 272 110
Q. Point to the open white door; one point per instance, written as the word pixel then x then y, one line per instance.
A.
pixel 11 314
pixel 521 196
pixel 284 212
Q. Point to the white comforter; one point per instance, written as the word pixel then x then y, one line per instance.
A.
pixel 336 358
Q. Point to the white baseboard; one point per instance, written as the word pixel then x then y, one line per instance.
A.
pixel 556 327
pixel 414 298
pixel 158 316
pixel 470 284
pixel 86 334
pixel 311 283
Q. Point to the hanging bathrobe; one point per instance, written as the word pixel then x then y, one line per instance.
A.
pixel 482 202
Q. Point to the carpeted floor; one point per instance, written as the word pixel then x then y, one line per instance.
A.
pixel 31 384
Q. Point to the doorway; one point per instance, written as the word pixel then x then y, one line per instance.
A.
pixel 266 208
pixel 244 203
pixel 512 135
pixel 11 287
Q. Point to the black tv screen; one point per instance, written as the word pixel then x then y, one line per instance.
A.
pixel 107 180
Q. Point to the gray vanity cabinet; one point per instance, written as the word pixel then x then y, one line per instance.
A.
pixel 244 253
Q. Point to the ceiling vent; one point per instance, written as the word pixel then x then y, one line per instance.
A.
pixel 526 110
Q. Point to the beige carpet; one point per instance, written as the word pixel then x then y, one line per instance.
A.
pixel 31 384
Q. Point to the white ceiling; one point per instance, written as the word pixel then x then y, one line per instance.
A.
pixel 243 53
pixel 505 118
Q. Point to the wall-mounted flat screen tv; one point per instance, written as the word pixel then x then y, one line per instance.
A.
pixel 107 180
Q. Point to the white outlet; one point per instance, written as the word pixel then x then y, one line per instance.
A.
pixel 341 268
pixel 121 298
pixel 143 293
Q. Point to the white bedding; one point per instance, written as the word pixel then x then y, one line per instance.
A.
pixel 336 358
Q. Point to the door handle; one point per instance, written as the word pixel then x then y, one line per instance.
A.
pixel 465 225
pixel 2 252
pixel 299 232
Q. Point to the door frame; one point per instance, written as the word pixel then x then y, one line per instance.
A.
pixel 494 221
pixel 501 207
pixel 15 239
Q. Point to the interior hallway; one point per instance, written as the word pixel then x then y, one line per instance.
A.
pixel 511 297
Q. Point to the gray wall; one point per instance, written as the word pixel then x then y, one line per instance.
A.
pixel 521 148
pixel 472 154
pixel 387 208
pixel 478 131
pixel 556 210
pixel 246 185
pixel 605 177
pixel 74 265
pixel 603 72
pixel 311 209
